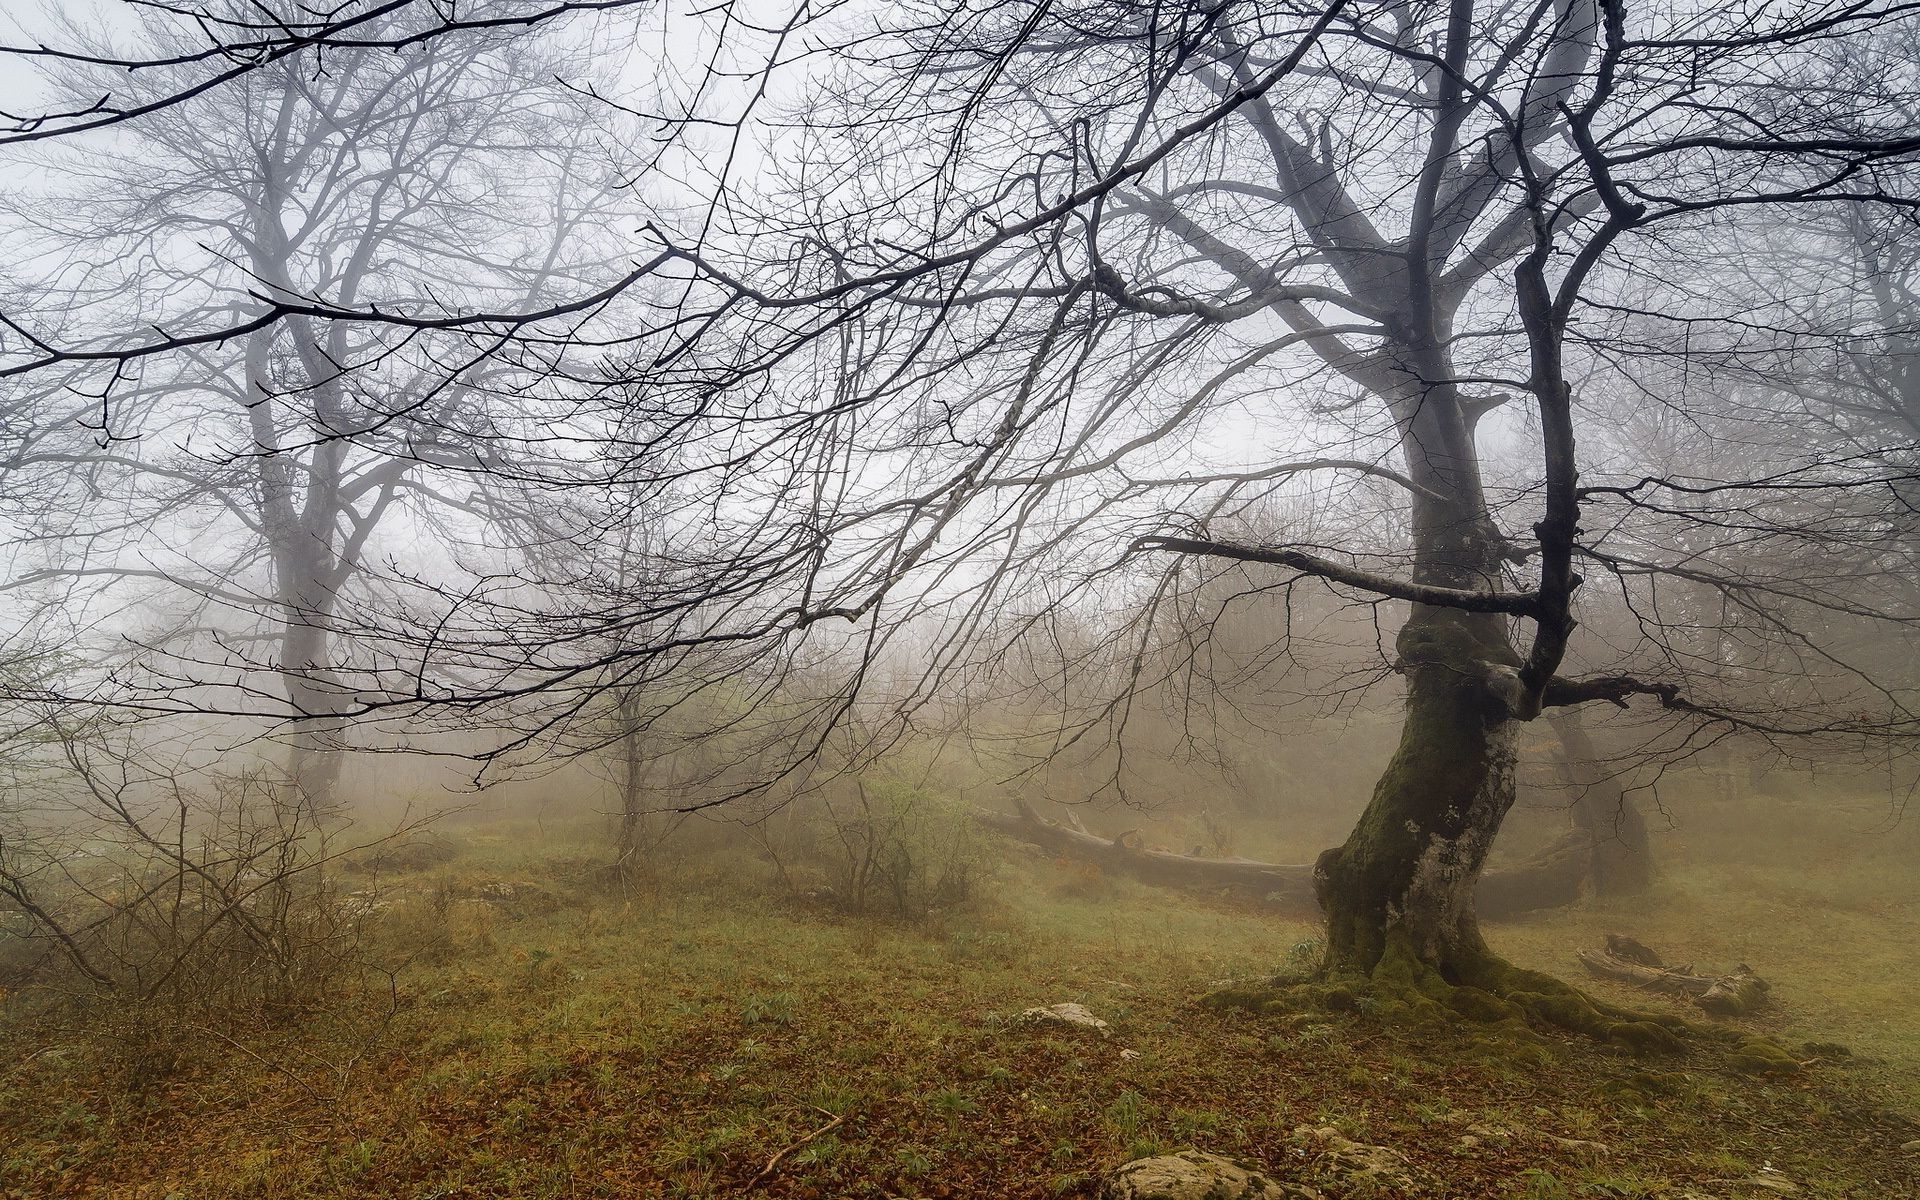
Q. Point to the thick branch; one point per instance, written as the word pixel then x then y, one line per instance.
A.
pixel 1517 604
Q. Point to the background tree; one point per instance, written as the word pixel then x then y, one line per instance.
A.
pixel 266 474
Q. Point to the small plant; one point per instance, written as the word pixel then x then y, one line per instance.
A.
pixel 351 1163
pixel 700 1151
pixel 174 911
pixel 831 1099
pixel 953 1104
pixel 912 1161
pixel 1538 1184
pixel 1306 953
pixel 990 946
pixel 896 851
pixel 821 1150
pixel 774 1008
pixel 1194 1124
pixel 1126 1114
pixel 1146 1148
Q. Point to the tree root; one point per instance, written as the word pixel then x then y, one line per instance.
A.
pixel 1405 990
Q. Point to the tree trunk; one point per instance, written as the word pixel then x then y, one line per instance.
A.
pixel 1736 994
pixel 1282 883
pixel 1621 860
pixel 630 839
pixel 306 636
pixel 1406 874
pixel 1548 880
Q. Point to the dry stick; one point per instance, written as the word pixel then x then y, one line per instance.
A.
pixel 262 1060
pixel 774 1162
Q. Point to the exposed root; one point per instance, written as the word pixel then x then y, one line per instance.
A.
pixel 1405 990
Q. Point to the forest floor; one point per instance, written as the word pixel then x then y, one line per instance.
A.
pixel 718 1038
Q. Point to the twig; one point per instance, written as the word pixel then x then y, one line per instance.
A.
pixel 780 1154
pixel 261 1059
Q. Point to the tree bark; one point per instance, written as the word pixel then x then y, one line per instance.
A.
pixel 1735 994
pixel 1287 883
pixel 1408 871
pixel 631 839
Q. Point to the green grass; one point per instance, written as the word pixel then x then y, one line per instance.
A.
pixel 585 1045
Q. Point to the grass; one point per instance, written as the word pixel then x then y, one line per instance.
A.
pixel 577 1044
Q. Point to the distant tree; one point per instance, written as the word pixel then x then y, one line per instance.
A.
pixel 267 473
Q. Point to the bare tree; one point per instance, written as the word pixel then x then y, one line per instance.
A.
pixel 1146 228
pixel 268 473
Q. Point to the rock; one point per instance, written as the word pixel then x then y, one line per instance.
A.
pixel 1912 1147
pixel 1069 1016
pixel 1774 1183
pixel 1380 1167
pixel 1581 1146
pixel 1197 1175
pixel 517 897
pixel 364 904
pixel 1129 1055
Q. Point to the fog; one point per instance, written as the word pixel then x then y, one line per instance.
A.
pixel 608 597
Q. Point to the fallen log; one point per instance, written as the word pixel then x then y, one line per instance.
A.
pixel 1286 884
pixel 1553 878
pixel 1624 960
pixel 1548 880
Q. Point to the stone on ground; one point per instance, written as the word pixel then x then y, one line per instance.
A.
pixel 1068 1016
pixel 1197 1175
pixel 1378 1167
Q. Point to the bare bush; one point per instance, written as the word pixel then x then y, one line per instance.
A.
pixel 158 908
pixel 888 850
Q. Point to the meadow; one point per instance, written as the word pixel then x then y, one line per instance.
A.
pixel 535 1032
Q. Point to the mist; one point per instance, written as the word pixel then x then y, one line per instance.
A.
pixel 621 599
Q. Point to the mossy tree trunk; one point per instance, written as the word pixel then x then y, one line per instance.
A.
pixel 1408 870
pixel 1406 874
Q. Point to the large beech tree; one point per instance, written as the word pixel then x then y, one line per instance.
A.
pixel 1106 276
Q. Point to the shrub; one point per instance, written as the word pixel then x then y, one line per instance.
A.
pixel 164 911
pixel 895 851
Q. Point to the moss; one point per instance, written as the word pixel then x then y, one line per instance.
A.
pixel 1646 1085
pixel 1478 1004
pixel 1444 789
pixel 1250 999
pixel 1645 1037
pixel 1328 997
pixel 1569 1012
pixel 1759 1056
pixel 1286 1000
